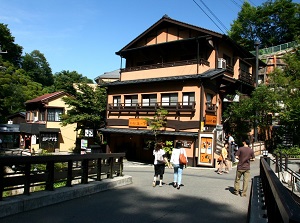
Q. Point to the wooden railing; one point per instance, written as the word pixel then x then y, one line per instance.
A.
pixel 170 106
pixel 281 207
pixel 29 172
pixel 246 77
pixel 163 65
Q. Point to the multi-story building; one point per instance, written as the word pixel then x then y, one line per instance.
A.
pixel 43 129
pixel 184 69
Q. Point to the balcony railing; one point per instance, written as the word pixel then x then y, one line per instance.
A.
pixel 210 107
pixel 246 77
pixel 163 65
pixel 170 106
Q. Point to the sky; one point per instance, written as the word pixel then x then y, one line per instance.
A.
pixel 83 36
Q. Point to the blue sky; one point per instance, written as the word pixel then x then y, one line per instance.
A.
pixel 83 36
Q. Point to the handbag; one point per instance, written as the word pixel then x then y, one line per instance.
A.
pixel 220 158
pixel 161 160
pixel 182 158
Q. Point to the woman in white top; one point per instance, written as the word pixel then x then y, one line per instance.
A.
pixel 160 161
pixel 178 168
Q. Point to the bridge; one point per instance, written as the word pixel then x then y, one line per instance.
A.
pixel 204 196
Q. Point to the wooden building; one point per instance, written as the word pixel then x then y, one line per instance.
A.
pixel 184 69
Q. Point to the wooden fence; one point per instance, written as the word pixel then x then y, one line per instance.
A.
pixel 26 173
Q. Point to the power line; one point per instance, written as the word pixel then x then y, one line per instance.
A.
pixel 208 15
pixel 220 22
pixel 238 5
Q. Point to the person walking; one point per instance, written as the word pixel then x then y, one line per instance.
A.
pixel 178 167
pixel 160 161
pixel 244 154
pixel 223 161
pixel 231 147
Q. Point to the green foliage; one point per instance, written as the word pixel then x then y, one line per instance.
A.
pixel 37 68
pixel 14 51
pixel 87 107
pixel 64 80
pixel 168 147
pixel 27 77
pixel 16 88
pixel 272 23
pixel 292 152
pixel 158 122
pixel 252 111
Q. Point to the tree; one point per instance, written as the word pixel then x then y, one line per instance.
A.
pixel 158 122
pixel 37 67
pixel 14 51
pixel 287 81
pixel 15 88
pixel 243 29
pixel 64 80
pixel 272 23
pixel 87 107
pixel 251 112
pixel 281 98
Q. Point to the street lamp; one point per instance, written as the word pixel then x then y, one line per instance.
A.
pixel 256 44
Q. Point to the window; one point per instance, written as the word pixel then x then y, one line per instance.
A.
pixel 117 101
pixel 244 67
pixel 28 116
pixel 169 99
pixel 42 116
pixel 227 59
pixel 188 98
pixel 54 114
pixel 131 100
pixel 209 98
pixel 149 99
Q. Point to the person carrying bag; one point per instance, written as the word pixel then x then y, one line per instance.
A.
pixel 177 165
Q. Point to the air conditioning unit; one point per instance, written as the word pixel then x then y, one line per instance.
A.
pixel 35 119
pixel 221 63
pixel 10 122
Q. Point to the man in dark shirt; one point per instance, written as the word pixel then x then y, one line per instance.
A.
pixel 244 154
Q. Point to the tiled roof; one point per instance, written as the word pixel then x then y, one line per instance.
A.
pixel 9 128
pixel 46 97
pixel 207 74
pixel 113 74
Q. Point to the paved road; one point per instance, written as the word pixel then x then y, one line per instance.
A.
pixel 206 197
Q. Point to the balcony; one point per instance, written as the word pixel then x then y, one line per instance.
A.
pixel 210 107
pixel 164 65
pixel 178 107
pixel 246 77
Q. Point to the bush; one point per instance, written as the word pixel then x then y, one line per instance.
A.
pixel 291 152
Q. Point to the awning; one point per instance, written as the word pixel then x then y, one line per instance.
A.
pixel 9 128
pixel 147 132
pixel 33 128
pixel 49 130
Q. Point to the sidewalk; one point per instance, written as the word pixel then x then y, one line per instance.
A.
pixel 205 197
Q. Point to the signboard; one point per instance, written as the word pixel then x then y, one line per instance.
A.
pixel 137 122
pixel 210 119
pixel 49 141
pixel 88 133
pixel 205 156
pixel 84 144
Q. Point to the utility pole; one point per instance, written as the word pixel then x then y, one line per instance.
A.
pixel 256 44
